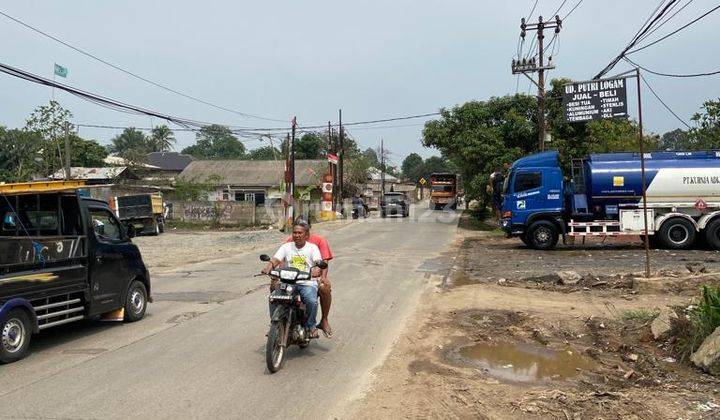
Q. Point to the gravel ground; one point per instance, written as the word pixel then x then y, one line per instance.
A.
pixel 173 249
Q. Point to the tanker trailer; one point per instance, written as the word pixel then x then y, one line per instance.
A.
pixel 603 197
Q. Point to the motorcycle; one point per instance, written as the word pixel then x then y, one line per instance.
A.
pixel 287 326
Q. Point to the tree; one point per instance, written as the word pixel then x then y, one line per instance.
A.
pixel 162 138
pixel 132 145
pixel 371 157
pixel 20 155
pixel 215 142
pixel 412 167
pixel 86 153
pixel 50 122
pixel 577 140
pixel 311 146
pixel 435 164
pixel 675 140
pixel 706 134
pixel 265 153
pixel 479 136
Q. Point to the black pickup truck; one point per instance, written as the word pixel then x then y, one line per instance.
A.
pixel 63 258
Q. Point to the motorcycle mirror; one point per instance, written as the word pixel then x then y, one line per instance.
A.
pixel 322 265
pixel 265 257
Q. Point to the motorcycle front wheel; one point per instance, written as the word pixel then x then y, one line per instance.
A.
pixel 274 351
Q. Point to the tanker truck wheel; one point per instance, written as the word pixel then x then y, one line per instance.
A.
pixel 542 235
pixel 677 233
pixel 712 234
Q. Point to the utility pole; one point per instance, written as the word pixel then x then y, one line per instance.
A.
pixel 641 142
pixel 333 171
pixel 68 173
pixel 292 169
pixel 382 169
pixel 341 156
pixel 529 65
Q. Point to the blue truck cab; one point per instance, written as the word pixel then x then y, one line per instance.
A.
pixel 534 200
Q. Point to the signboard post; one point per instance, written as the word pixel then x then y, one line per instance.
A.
pixel 595 100
pixel 603 99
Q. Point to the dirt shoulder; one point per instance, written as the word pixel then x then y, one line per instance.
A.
pixel 175 248
pixel 504 337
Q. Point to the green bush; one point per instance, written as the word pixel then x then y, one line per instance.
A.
pixel 700 322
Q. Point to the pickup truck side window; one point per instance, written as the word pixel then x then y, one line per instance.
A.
pixel 106 228
pixel 527 181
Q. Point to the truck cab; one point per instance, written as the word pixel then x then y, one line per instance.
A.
pixel 63 258
pixel 533 200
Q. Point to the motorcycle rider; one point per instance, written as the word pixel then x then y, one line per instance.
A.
pixel 303 256
pixel 324 285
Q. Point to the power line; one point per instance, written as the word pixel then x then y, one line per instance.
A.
pixel 532 10
pixel 664 104
pixel 559 8
pixel 573 9
pixel 669 74
pixel 663 23
pixel 649 23
pixel 675 31
pixel 129 73
pixel 184 122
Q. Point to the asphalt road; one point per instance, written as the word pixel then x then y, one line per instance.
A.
pixel 199 353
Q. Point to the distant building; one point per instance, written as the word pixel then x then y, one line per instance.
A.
pixel 256 181
pixel 171 164
pixel 95 176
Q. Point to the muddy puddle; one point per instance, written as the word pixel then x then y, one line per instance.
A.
pixel 524 362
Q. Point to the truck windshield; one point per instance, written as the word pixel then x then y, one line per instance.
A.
pixel 442 188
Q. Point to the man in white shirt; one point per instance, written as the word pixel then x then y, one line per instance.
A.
pixel 303 256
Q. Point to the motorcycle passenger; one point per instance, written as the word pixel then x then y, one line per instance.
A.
pixel 303 256
pixel 324 285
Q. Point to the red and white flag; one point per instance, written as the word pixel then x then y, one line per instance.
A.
pixel 332 158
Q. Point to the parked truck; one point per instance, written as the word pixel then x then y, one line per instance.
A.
pixel 443 191
pixel 63 258
pixel 603 197
pixel 143 211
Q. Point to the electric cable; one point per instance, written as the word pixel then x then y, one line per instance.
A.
pixel 649 23
pixel 669 74
pixel 675 31
pixel 136 76
pixel 664 104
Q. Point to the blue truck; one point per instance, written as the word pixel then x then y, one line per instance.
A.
pixel 602 196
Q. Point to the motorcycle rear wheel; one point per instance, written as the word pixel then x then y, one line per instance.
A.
pixel 274 351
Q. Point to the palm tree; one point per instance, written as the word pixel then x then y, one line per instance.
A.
pixel 162 138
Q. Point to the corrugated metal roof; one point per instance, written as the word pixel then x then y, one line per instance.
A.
pixel 255 173
pixel 91 173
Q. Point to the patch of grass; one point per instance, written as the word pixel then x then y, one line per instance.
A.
pixel 700 322
pixel 479 221
pixel 639 316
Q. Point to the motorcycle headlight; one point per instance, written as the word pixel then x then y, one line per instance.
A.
pixel 289 289
pixel 288 275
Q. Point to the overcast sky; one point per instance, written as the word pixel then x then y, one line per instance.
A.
pixel 373 59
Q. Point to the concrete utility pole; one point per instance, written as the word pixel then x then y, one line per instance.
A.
pixel 341 158
pixel 529 65
pixel 333 171
pixel 68 173
pixel 382 169
pixel 292 169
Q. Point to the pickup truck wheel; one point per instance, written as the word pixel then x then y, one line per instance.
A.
pixel 15 332
pixel 542 235
pixel 712 234
pixel 135 302
pixel 677 233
